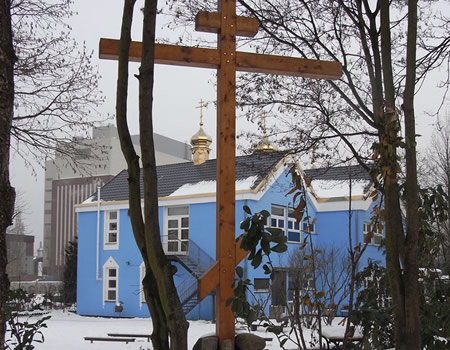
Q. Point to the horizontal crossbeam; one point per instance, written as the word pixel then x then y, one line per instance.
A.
pixel 210 58
pixel 164 54
pixel 209 22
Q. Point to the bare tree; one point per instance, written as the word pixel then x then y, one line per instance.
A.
pixel 169 322
pixel 56 89
pixel 437 173
pixel 7 193
pixel 333 268
pixel 332 276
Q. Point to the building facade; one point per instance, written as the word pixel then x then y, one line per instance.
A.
pixel 20 257
pixel 110 265
pixel 97 161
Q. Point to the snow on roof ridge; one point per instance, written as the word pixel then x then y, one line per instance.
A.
pixel 210 186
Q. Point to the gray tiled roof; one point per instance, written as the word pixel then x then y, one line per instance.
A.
pixel 341 173
pixel 173 176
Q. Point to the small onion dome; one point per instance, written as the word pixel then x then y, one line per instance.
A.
pixel 265 146
pixel 200 137
pixel 200 146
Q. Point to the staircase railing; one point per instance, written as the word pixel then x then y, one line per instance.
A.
pixel 196 261
pixel 199 256
pixel 189 248
pixel 186 290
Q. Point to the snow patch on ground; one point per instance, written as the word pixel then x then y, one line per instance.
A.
pixel 66 330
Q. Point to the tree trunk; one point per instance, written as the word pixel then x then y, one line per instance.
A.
pixel 7 193
pixel 401 248
pixel 160 292
pixel 412 292
pixel 161 267
pixel 160 334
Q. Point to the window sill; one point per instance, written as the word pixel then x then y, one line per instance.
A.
pixel 111 246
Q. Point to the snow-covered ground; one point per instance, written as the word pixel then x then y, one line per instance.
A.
pixel 66 331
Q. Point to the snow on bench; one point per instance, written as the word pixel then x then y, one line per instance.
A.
pixel 123 340
pixel 126 335
pixel 335 335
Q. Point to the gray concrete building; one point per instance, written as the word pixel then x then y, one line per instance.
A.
pixel 97 160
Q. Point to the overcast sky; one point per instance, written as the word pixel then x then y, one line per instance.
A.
pixel 177 92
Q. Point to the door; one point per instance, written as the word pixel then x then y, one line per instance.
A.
pixel 177 230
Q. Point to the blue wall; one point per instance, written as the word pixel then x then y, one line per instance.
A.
pixel 331 229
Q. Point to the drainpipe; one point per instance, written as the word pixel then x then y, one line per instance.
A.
pixel 97 272
pixel 246 257
pixel 357 233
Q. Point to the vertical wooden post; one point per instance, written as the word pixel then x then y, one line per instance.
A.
pixel 226 164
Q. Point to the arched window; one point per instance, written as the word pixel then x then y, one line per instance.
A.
pixel 110 281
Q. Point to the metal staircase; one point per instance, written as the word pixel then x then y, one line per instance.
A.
pixel 196 261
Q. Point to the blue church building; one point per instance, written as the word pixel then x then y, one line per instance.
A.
pixel 110 267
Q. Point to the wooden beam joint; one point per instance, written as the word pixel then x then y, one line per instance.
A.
pixel 209 22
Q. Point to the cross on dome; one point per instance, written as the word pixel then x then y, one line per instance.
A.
pixel 202 104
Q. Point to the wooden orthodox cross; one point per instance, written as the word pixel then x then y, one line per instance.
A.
pixel 227 61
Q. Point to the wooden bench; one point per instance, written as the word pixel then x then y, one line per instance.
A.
pixel 126 335
pixel 123 340
pixel 338 339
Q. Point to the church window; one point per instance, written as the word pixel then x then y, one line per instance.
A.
pixel 176 237
pixel 308 227
pixel 110 281
pixel 278 217
pixel 373 234
pixel 261 285
pixel 111 229
pixel 293 227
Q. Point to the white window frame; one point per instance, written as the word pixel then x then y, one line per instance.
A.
pixel 312 227
pixel 295 227
pixel 180 218
pixel 106 243
pixel 278 218
pixel 377 234
pixel 107 267
pixel 141 288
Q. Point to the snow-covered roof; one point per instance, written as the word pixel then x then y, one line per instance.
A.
pixel 210 186
pixel 338 182
pixel 189 179
pixel 340 188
